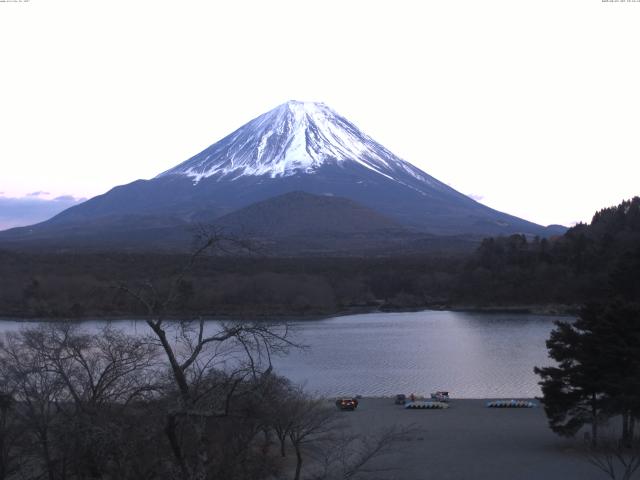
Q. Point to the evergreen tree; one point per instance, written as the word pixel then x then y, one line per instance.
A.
pixel 598 370
pixel 573 391
pixel 617 327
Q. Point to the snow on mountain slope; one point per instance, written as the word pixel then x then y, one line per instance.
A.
pixel 296 137
pixel 296 147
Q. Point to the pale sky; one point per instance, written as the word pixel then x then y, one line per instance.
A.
pixel 533 107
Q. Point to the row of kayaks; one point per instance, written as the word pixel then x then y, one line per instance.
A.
pixel 511 404
pixel 420 405
pixel 425 405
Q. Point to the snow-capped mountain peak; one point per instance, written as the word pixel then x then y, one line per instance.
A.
pixel 295 137
pixel 301 147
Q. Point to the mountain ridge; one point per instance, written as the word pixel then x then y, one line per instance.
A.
pixel 297 146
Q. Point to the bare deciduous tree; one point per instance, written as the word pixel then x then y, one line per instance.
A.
pixel 10 435
pixel 345 456
pixel 193 352
pixel 619 459
pixel 39 393
pixel 312 419
pixel 72 391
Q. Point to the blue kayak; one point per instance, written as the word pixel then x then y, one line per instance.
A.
pixel 511 404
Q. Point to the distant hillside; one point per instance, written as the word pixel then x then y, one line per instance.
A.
pixel 300 213
pixel 130 232
pixel 296 223
pixel 300 223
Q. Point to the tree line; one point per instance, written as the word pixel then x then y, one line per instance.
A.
pixel 577 267
pixel 503 271
pixel 65 285
pixel 596 377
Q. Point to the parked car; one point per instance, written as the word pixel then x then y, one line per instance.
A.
pixel 401 399
pixel 440 396
pixel 347 403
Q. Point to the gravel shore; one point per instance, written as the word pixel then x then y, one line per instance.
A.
pixel 470 441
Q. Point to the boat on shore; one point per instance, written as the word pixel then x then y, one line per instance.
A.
pixel 421 405
pixel 511 404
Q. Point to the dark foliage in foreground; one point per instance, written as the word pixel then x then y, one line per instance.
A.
pixel 598 359
pixel 597 371
pixel 97 407
pixel 77 406
pixel 615 459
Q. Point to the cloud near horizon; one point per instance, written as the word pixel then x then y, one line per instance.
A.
pixel 32 208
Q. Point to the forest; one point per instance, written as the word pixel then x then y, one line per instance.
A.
pixel 503 272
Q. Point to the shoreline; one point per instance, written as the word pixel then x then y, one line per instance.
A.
pixel 453 400
pixel 469 441
pixel 543 310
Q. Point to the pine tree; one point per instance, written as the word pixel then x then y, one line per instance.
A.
pixel 617 327
pixel 598 370
pixel 573 391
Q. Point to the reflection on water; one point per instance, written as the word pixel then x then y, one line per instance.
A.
pixel 469 354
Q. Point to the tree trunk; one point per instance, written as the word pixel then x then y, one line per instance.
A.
pixel 3 459
pixel 266 446
pixel 199 427
pixel 170 432
pixel 178 373
pixel 625 429
pixel 594 421
pixel 298 461
pixel 283 452
pixel 44 439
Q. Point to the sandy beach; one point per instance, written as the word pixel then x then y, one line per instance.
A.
pixel 470 441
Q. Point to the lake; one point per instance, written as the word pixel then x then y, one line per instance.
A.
pixel 471 355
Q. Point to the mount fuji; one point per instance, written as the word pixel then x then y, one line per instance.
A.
pixel 296 147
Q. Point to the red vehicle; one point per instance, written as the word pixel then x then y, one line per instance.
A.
pixel 347 403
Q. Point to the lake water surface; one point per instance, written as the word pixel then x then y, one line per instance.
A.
pixel 472 355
